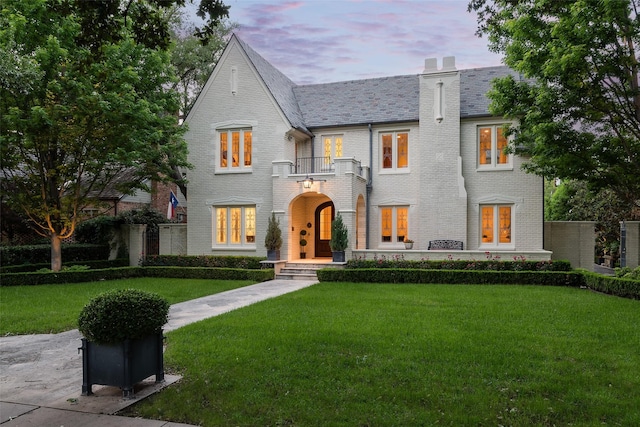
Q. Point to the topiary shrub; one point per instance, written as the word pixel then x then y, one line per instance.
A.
pixel 123 314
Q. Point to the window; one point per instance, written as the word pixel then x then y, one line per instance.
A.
pixel 235 149
pixel 235 226
pixel 496 225
pixel 491 145
pixel 331 148
pixel 394 224
pixel 395 150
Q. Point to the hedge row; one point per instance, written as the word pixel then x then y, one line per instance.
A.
pixel 627 288
pixel 122 262
pixel 41 254
pixel 26 279
pixel 399 275
pixel 247 262
pixel 493 264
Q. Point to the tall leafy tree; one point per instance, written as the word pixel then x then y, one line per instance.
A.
pixel 83 98
pixel 193 60
pixel 578 101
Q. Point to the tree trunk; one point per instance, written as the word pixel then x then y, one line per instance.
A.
pixel 56 252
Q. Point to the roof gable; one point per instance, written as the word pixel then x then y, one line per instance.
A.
pixel 280 86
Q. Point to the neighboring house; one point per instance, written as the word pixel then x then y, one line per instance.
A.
pixel 414 156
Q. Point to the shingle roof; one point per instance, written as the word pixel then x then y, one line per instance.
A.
pixel 357 102
pixel 381 100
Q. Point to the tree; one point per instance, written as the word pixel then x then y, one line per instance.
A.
pixel 193 60
pixel 82 98
pixel 573 201
pixel 578 103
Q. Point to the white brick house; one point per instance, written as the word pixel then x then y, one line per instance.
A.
pixel 414 156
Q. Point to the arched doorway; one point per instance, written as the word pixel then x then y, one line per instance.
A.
pixel 324 214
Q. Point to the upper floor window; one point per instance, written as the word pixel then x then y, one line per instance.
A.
pixel 496 225
pixel 395 150
pixel 235 226
pixel 235 149
pixel 331 147
pixel 491 148
pixel 394 223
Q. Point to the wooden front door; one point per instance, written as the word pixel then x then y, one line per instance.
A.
pixel 323 217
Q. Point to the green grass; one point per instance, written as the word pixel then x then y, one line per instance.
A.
pixel 55 308
pixel 405 355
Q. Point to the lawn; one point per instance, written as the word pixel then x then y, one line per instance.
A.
pixel 55 308
pixel 405 355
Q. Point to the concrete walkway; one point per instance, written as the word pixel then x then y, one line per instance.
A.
pixel 41 375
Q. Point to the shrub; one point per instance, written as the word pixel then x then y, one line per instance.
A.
pixel 204 261
pixel 273 238
pixel 39 254
pixel 516 265
pixel 339 235
pixel 52 278
pixel 123 314
pixel 622 287
pixel 98 230
pixel 399 275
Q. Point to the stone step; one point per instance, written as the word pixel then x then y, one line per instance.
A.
pixel 286 276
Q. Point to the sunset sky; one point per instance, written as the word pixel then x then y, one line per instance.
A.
pixel 319 41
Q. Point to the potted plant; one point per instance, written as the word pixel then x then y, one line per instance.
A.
pixel 303 243
pixel 339 239
pixel 123 340
pixel 408 243
pixel 273 239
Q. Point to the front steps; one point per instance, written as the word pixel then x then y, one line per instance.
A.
pixel 300 271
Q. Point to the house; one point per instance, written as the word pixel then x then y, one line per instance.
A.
pixel 413 156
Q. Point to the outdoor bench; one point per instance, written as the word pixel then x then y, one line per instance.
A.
pixel 439 245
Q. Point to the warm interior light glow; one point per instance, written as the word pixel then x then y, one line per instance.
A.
pixel 307 183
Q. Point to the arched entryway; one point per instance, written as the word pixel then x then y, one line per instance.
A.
pixel 324 214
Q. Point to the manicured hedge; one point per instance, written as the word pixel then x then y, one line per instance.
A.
pixel 626 288
pixel 492 264
pixel 123 262
pixel 49 278
pixel 400 275
pixel 246 262
pixel 123 314
pixel 40 254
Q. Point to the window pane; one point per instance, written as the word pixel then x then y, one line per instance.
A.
pixel 223 150
pixel 505 224
pixel 327 150
pixel 339 147
pixel 401 230
pixel 387 151
pixel 501 145
pixel 325 223
pixel 247 147
pixel 235 224
pixel 484 149
pixel 250 225
pixel 387 224
pixel 221 225
pixel 403 150
pixel 487 224
pixel 235 149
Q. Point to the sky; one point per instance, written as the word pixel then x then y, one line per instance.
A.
pixel 320 41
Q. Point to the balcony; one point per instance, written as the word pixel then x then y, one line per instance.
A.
pixel 323 165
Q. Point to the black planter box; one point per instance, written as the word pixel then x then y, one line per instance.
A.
pixel 123 364
pixel 338 256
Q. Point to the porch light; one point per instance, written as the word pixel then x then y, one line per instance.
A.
pixel 307 183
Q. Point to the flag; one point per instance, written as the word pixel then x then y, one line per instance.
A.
pixel 173 202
